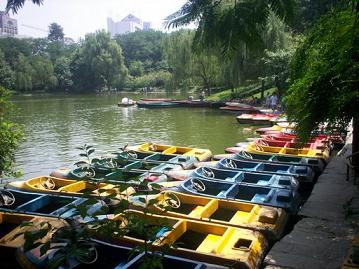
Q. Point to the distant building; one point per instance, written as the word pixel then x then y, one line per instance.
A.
pixel 8 26
pixel 128 24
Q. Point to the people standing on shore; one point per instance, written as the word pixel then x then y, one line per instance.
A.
pixel 201 96
pixel 273 101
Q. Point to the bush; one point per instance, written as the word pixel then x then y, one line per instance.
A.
pixel 10 134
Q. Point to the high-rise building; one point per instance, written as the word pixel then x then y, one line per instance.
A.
pixel 8 26
pixel 128 24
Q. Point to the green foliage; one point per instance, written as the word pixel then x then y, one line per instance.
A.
pixel 325 73
pixel 157 79
pixel 136 69
pixel 229 24
pixel 63 73
pixel 56 32
pixel 23 74
pixel 98 63
pixel 10 134
pixel 43 77
pixel 6 74
pixel 308 12
pixel 144 47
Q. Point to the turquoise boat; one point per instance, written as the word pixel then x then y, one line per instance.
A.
pixel 109 256
pixel 41 204
pixel 113 170
pixel 315 163
pixel 186 162
pixel 289 200
pixel 304 174
pixel 248 178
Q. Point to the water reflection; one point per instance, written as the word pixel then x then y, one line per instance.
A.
pixel 55 125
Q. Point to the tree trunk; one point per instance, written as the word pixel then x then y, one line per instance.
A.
pixel 355 144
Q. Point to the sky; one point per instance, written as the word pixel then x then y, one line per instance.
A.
pixel 78 17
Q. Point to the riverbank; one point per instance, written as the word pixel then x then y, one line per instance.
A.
pixel 328 223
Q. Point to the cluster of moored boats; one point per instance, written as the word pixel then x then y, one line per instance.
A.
pixel 234 107
pixel 225 209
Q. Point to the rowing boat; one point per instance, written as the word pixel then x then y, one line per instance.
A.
pixel 319 145
pixel 156 104
pixel 276 197
pixel 312 153
pixel 216 174
pixel 262 119
pixel 303 173
pixel 47 184
pixel 11 226
pixel 108 256
pixel 59 186
pixel 200 154
pixel 118 170
pixel 316 164
pixel 268 220
pixel 42 204
pixel 206 242
pixel 186 162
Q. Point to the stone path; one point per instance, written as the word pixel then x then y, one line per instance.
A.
pixel 322 238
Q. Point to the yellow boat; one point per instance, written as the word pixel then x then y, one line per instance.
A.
pixel 200 154
pixel 313 153
pixel 268 220
pixel 10 225
pixel 207 242
pixel 53 185
pixel 47 184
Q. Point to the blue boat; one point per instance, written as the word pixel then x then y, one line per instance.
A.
pixel 303 173
pixel 41 204
pixel 283 198
pixel 315 163
pixel 243 177
pixel 109 256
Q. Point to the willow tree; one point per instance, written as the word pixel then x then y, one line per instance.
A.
pixel 232 26
pixel 324 75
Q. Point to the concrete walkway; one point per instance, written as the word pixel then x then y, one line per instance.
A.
pixel 322 238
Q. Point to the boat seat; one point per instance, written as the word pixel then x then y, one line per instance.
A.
pixel 284 196
pixel 197 212
pixel 74 187
pixel 209 243
pixel 170 150
pixel 239 217
pixel 259 198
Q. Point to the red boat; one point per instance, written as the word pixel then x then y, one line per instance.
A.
pixel 275 143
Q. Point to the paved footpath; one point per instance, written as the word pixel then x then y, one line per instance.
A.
pixel 322 238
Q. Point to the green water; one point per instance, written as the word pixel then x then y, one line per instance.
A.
pixel 55 125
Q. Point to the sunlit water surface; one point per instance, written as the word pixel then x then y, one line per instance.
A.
pixel 55 125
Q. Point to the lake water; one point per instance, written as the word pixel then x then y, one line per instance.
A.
pixel 55 125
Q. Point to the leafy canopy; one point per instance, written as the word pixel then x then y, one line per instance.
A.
pixel 229 23
pixel 324 75
pixel 56 32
